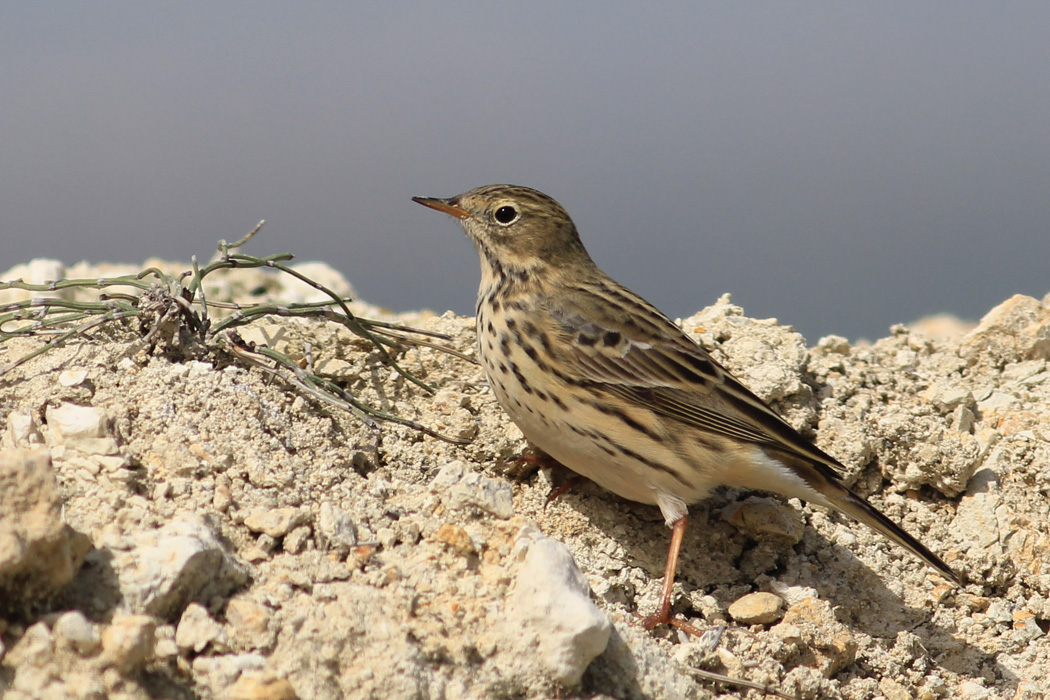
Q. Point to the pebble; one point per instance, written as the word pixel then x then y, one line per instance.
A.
pixel 335 529
pixel 248 624
pixel 971 690
pixel 221 671
pixel 276 522
pixel 296 541
pixel 250 687
pixel 75 631
pixel 39 553
pixel 551 599
pixel 197 630
pixel 460 487
pixel 756 609
pixel 455 537
pixel 128 642
pixel 813 621
pixel 72 377
pixel 69 421
pixel 164 569
pixel 764 519
pixel 23 429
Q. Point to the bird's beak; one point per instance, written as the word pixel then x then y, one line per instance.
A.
pixel 444 205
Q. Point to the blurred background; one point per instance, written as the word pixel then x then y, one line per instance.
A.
pixel 839 166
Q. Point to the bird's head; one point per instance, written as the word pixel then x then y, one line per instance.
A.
pixel 515 227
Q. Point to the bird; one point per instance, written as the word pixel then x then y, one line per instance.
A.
pixel 607 385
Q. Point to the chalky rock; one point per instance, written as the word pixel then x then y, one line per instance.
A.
pixel 161 571
pixel 39 553
pixel 1018 329
pixel 551 602
pixel 335 530
pixel 756 608
pixel 70 422
pixel 129 642
pixel 459 487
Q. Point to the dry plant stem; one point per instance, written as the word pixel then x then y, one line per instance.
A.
pixel 740 683
pixel 320 388
pixel 174 308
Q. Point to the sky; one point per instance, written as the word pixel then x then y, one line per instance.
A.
pixel 841 167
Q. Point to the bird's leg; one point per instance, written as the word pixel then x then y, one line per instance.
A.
pixel 663 615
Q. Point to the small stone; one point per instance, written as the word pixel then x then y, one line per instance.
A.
pixel 219 672
pixel 276 522
pixel 764 518
pixel 831 643
pixel 949 396
pixel 265 543
pixel 76 632
pixel 39 553
pixel 128 642
pixel 69 421
pixel 335 529
pixel 455 537
pixel 249 687
pixel 248 624
pixel 551 600
pixel 1016 330
pixel 197 630
pixel 23 429
pixel 72 377
pixel 223 498
pixel 972 690
pixel 387 537
pixel 33 648
pixel 460 487
pixel 296 540
pixel 756 609
pixel 163 570
pixel 1026 626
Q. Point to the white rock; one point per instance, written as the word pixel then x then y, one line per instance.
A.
pixel 335 529
pixel 167 568
pixel 276 522
pixel 77 632
pixel 39 552
pixel 551 602
pixel 69 421
pixel 221 671
pixel 197 629
pixel 72 377
pixel 460 487
pixel 23 430
pixel 128 643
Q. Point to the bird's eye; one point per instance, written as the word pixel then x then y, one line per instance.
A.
pixel 506 215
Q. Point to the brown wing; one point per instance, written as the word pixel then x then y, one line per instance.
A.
pixel 650 360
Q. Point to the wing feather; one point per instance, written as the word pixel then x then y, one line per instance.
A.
pixel 652 361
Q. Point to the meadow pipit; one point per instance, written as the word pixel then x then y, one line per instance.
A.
pixel 604 383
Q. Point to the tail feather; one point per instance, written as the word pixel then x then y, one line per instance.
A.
pixel 849 503
pixel 818 483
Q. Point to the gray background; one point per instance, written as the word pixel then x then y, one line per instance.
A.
pixel 841 166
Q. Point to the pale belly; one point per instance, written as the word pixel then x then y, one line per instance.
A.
pixel 591 444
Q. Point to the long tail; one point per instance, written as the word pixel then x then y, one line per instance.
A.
pixel 857 508
pixel 818 483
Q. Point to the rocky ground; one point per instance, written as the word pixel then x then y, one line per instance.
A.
pixel 177 528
